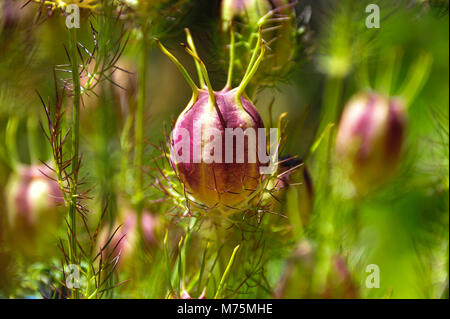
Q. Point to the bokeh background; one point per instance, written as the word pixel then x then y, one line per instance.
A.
pixel 402 226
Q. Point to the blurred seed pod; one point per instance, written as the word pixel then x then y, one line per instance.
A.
pixel 119 242
pixel 124 242
pixel 9 15
pixel 122 82
pixel 298 271
pixel 244 11
pixel 370 139
pixel 32 200
pixel 283 32
pixel 340 283
pixel 13 15
pixel 158 17
pixel 296 281
pixel 149 225
pixel 125 85
pixel 185 295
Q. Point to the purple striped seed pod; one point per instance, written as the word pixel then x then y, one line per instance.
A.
pixel 217 182
pixel 218 143
pixel 370 138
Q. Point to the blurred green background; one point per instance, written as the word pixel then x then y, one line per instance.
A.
pixel 402 227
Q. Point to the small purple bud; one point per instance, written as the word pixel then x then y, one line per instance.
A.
pixel 32 197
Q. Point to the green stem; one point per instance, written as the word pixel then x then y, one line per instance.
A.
pixel 139 124
pixel 417 77
pixel 73 49
pixel 11 151
pixel 231 63
pixel 167 260
pixel 225 274
pixel 202 269
pixel 105 165
pixel 191 44
pixel 247 78
pixel 326 231
pixel 179 66
pixel 255 53
pixel 212 97
pixel 75 139
pixel 33 142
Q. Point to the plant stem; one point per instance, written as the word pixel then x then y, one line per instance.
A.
pixel 191 44
pixel 247 78
pixel 326 231
pixel 105 165
pixel 212 98
pixel 75 139
pixel 139 124
pixel 180 67
pixel 231 61
pixel 225 274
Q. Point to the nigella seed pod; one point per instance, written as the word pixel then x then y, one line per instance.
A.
pixel 370 138
pixel 277 19
pixel 213 170
pixel 32 203
pixel 340 283
pixel 296 280
pixel 211 183
pixel 122 243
